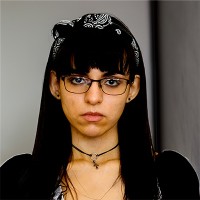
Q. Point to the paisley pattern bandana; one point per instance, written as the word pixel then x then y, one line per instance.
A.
pixel 101 22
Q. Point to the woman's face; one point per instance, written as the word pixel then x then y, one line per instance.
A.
pixel 93 113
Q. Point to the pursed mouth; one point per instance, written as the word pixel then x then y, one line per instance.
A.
pixel 92 116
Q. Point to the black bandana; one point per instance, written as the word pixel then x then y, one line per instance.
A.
pixel 94 25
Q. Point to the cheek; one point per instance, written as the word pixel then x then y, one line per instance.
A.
pixel 118 104
pixel 115 108
pixel 69 106
pixel 69 103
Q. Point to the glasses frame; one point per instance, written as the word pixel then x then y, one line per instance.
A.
pixel 100 85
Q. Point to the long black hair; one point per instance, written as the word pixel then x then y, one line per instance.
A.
pixel 102 41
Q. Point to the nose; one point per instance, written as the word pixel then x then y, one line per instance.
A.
pixel 95 94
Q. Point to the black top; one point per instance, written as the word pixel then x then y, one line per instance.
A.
pixel 177 178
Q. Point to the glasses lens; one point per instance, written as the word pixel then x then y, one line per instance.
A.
pixel 114 86
pixel 77 84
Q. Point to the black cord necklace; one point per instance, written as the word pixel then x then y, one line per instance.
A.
pixel 94 156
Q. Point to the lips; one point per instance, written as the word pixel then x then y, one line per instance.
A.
pixel 92 116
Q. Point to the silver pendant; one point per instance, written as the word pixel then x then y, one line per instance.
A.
pixel 94 157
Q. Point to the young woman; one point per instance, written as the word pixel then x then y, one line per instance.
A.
pixel 93 138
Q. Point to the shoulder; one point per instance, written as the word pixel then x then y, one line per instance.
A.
pixel 177 177
pixel 17 159
pixel 15 164
pixel 11 172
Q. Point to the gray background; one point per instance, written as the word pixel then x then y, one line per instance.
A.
pixel 25 44
pixel 26 39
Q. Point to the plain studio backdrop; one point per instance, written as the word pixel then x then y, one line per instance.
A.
pixel 25 44
pixel 26 41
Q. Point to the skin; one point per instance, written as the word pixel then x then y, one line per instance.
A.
pixel 94 100
pixel 94 134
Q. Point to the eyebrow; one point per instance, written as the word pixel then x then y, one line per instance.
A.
pixel 113 74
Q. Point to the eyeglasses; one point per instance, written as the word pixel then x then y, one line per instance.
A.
pixel 109 85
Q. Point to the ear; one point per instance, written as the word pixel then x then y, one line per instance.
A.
pixel 54 85
pixel 134 89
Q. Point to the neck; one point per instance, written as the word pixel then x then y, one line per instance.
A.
pixel 94 156
pixel 95 144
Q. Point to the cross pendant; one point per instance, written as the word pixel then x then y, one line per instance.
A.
pixel 94 157
pixel 95 164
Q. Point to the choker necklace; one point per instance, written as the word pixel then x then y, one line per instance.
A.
pixel 94 156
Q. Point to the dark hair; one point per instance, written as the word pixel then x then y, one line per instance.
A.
pixel 111 48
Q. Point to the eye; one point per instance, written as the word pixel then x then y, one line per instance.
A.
pixel 77 80
pixel 113 82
